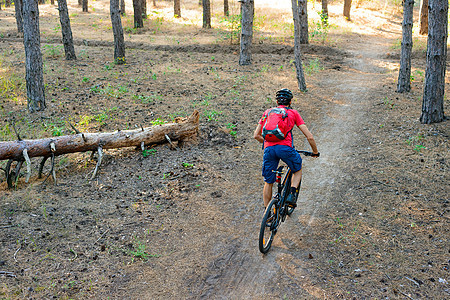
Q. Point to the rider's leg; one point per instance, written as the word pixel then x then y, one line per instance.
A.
pixel 267 193
pixel 296 178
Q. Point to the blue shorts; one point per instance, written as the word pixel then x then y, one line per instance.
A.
pixel 272 156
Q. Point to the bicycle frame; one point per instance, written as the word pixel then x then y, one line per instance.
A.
pixel 281 210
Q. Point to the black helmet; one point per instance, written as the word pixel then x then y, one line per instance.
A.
pixel 284 96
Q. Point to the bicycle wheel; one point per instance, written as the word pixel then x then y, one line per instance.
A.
pixel 269 227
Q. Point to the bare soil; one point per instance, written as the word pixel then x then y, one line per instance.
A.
pixel 373 215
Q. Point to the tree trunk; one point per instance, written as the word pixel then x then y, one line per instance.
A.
pixel 303 19
pixel 325 12
pixel 66 30
pixel 226 8
pixel 154 3
pixel 433 95
pixel 347 7
pixel 7 3
pixel 144 9
pixel 33 56
pixel 297 50
pixel 119 42
pixel 85 5
pixel 404 74
pixel 122 7
pixel 424 18
pixel 206 14
pixel 21 150
pixel 82 142
pixel 247 13
pixel 80 2
pixel 138 22
pixel 18 5
pixel 52 2
pixel 176 8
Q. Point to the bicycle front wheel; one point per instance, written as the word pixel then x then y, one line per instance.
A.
pixel 269 227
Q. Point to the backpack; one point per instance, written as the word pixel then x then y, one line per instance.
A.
pixel 276 126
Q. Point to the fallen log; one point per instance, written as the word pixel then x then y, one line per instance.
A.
pixel 23 150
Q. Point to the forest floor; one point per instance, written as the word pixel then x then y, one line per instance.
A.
pixel 373 214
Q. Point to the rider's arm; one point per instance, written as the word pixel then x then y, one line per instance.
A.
pixel 257 134
pixel 309 137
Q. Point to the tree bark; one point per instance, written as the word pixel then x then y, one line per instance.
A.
pixel 138 22
pixel 33 56
pixel 297 49
pixel 144 9
pixel 404 74
pixel 303 19
pixel 18 5
pixel 424 18
pixel 7 3
pixel 80 2
pixel 206 14
pixel 325 12
pixel 181 130
pixel 176 8
pixel 247 13
pixel 433 95
pixel 347 7
pixel 85 5
pixel 122 7
pixel 66 30
pixel 119 42
pixel 226 8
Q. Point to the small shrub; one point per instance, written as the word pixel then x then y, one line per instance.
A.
pixel 158 121
pixel 148 152
pixel 53 51
pixel 313 67
pixel 232 128
pixel 212 115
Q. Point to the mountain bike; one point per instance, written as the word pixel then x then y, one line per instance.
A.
pixel 277 210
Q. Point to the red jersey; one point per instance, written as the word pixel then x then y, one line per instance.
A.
pixel 294 118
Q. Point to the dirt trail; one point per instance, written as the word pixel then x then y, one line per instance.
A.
pixel 244 273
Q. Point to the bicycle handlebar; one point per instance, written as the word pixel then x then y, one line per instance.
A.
pixel 307 153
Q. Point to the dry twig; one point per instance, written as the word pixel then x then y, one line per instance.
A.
pixel 412 280
pixel 8 274
pixel 99 161
pixel 15 253
pixel 102 236
pixel 406 295
pixel 28 161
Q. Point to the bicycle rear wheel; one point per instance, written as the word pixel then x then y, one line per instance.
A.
pixel 269 227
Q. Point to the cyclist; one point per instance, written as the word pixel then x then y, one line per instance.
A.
pixel 283 149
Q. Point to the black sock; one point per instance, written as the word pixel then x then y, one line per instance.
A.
pixel 293 190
